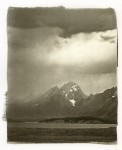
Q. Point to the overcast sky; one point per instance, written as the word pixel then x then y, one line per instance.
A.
pixel 48 52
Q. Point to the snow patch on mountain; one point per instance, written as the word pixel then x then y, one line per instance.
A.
pixel 66 95
pixel 111 98
pixel 72 102
pixel 74 87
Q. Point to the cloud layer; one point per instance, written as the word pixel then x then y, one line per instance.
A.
pixel 86 50
pixel 71 21
pixel 40 58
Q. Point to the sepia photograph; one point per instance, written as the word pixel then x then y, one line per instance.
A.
pixel 62 75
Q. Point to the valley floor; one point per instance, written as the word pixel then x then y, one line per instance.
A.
pixel 62 135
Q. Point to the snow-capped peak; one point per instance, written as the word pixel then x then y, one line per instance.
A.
pixel 72 92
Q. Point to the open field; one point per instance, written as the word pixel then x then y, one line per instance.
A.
pixel 62 135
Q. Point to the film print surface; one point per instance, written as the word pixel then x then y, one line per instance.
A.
pixel 62 81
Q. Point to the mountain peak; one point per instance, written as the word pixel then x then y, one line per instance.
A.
pixel 70 87
pixel 72 92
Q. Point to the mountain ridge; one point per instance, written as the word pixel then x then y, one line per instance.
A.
pixel 68 101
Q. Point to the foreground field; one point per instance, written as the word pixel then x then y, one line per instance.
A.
pixel 61 135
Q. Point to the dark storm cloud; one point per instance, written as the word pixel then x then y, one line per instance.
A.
pixel 107 38
pixel 71 21
pixel 112 41
pixel 23 38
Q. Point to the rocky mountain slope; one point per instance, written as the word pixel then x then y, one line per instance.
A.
pixel 67 101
